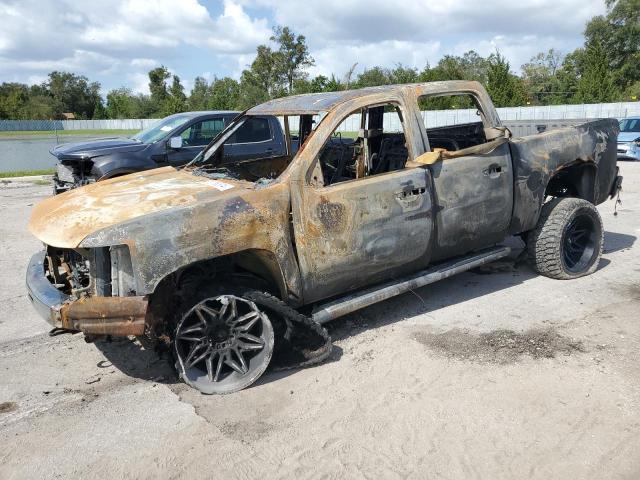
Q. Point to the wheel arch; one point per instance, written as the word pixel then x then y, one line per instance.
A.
pixel 574 179
pixel 254 268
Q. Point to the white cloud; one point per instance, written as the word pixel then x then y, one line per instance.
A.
pixel 139 82
pixel 124 38
pixel 116 41
pixel 144 62
pixel 338 59
pixel 343 32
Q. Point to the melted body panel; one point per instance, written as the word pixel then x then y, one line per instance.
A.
pixel 362 231
pixel 66 219
pixel 474 200
pixel 324 241
pixel 537 158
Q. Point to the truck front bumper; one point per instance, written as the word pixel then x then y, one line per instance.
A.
pixel 117 316
pixel 45 298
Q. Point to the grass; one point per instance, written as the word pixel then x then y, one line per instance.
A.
pixel 62 133
pixel 26 173
pixel 348 134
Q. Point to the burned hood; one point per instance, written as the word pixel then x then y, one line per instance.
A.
pixel 66 219
pixel 96 148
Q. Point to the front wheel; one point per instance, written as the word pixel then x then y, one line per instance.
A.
pixel 567 242
pixel 223 344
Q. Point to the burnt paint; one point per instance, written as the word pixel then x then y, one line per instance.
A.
pixel 537 158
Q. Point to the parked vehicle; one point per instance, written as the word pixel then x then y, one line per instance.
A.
pixel 629 139
pixel 232 260
pixel 172 141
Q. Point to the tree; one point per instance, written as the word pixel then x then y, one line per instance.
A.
pixel 596 80
pixel 199 97
pixel 618 34
pixel 334 85
pixel 542 80
pixel 177 100
pixel 73 93
pixel 505 89
pixel 319 84
pixel 121 103
pixel 13 97
pixel 474 66
pixel 402 74
pixel 373 77
pixel 158 87
pixel 470 66
pixel 263 80
pixel 224 94
pixel 293 55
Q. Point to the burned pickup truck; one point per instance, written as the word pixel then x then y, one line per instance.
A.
pixel 232 263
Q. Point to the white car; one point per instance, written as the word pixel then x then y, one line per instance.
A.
pixel 629 139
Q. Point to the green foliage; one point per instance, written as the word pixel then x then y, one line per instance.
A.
pixel 28 173
pixel 544 78
pixel 596 80
pixel 200 95
pixel 122 103
pixel 618 34
pixel 225 94
pixel 73 93
pixel 158 86
pixel 177 100
pixel 292 56
pixel 505 88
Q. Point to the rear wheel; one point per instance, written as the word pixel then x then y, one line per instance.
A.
pixel 223 344
pixel 567 242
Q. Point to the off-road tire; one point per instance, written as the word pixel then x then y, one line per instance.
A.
pixel 551 246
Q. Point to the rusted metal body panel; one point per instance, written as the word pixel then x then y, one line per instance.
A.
pixel 474 203
pixel 119 316
pixel 65 220
pixel 318 241
pixel 356 233
pixel 537 158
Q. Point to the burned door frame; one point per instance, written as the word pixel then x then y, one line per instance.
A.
pixel 360 231
pixel 472 193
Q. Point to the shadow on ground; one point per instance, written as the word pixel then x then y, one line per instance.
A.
pixel 614 242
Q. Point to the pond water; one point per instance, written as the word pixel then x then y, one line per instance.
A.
pixel 32 152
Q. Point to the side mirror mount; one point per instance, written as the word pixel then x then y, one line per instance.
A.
pixel 175 143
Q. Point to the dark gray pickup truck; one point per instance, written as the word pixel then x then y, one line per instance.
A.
pixel 233 263
pixel 172 141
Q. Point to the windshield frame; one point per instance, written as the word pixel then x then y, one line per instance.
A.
pixel 219 140
pixel 174 122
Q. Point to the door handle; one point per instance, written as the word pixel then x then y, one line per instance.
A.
pixel 492 171
pixel 403 194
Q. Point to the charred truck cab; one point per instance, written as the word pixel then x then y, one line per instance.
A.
pixel 234 261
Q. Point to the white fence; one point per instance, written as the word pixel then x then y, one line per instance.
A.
pixel 558 115
pixel 433 118
pixel 46 125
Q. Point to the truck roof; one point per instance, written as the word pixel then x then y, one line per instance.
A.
pixel 312 103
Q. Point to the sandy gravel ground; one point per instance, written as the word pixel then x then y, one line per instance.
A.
pixel 492 374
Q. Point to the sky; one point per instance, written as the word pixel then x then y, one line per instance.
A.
pixel 116 42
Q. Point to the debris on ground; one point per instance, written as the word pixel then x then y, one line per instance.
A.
pixel 499 346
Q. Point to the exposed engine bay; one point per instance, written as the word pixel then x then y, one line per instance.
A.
pixel 104 271
pixel 72 174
